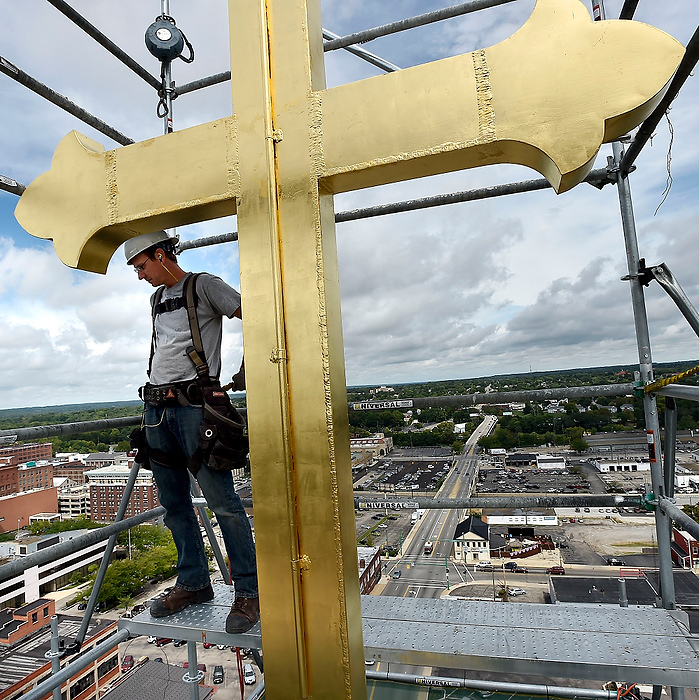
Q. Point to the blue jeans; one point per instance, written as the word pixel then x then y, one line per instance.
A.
pixel 175 431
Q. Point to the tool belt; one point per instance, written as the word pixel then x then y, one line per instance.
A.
pixel 167 395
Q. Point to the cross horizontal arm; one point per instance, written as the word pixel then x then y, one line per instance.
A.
pixel 173 180
pixel 541 98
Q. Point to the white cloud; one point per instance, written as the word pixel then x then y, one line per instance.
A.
pixel 492 286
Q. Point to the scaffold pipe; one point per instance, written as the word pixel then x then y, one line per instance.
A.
pixel 669 507
pixel 646 130
pixel 9 185
pixel 105 42
pixel 80 662
pixel 628 9
pixel 596 177
pixel 208 240
pixel 12 71
pixel 43 431
pixel 412 22
pixel 494 686
pixel 63 549
pixel 364 54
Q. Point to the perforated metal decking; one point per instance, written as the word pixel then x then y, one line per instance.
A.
pixel 646 645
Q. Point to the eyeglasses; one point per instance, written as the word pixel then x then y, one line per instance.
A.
pixel 139 268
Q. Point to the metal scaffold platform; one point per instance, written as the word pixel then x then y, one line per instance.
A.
pixel 203 622
pixel 646 645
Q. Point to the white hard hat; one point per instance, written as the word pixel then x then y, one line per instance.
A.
pixel 138 244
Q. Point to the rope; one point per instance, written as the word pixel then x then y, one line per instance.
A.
pixel 660 383
pixel 240 673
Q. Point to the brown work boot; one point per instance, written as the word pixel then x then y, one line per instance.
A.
pixel 244 613
pixel 178 599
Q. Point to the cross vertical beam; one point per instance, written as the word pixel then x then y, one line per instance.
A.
pixel 297 404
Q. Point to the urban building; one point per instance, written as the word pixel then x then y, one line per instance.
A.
pixel 684 549
pixel 73 469
pixel 107 486
pixel 518 517
pixel 550 462
pixel 96 460
pixel 25 639
pixel 521 459
pixel 47 517
pixel 16 508
pixel 370 448
pixel 8 478
pixel 38 581
pixel 471 540
pixel 146 676
pixel 27 453
pixel 369 560
pixel 74 501
pixel 34 475
pixel 605 466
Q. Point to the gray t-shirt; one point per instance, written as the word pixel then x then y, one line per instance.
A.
pixel 172 334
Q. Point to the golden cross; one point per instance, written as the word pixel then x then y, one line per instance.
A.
pixel 547 97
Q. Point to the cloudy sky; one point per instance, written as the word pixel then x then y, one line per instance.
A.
pixel 518 283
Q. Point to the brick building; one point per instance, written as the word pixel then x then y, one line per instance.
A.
pixel 73 469
pixel 34 475
pixel 8 479
pixel 28 452
pixel 369 561
pixel 684 549
pixel 16 508
pixel 107 489
pixel 30 655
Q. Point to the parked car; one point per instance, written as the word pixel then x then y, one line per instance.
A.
pixel 615 562
pixel 512 590
pixel 200 667
pixel 510 565
pixel 127 663
pixel 179 642
pixel 217 676
pixel 82 606
pixel 484 566
pixel 221 647
pixel 520 570
pixel 152 639
pixel 159 659
pixel 559 570
pixel 397 573
pixel 249 677
pixel 143 659
pixel 162 641
pixel 137 609
pixel 208 645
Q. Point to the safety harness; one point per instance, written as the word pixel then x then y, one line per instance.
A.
pixel 223 443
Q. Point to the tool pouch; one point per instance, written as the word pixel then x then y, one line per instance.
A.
pixel 223 440
pixel 138 442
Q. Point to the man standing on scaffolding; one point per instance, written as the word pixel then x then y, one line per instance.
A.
pixel 173 418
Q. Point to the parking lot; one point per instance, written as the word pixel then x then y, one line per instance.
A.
pixel 527 480
pixel 176 656
pixel 406 476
